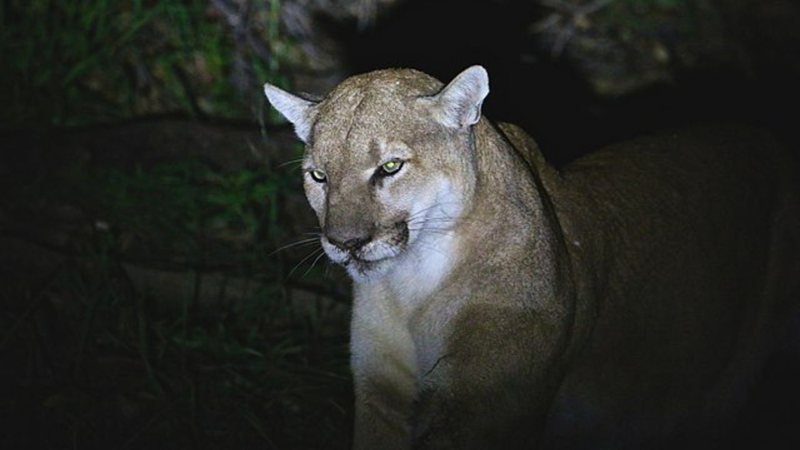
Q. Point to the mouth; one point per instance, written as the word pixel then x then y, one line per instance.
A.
pixel 360 269
pixel 374 256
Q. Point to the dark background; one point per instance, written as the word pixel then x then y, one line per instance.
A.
pixel 160 281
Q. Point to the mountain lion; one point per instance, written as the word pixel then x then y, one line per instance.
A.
pixel 625 301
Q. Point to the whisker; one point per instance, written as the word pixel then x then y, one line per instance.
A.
pixel 291 161
pixel 309 256
pixel 313 263
pixel 301 242
pixel 446 219
pixel 439 223
pixel 427 247
pixel 421 225
pixel 443 233
pixel 425 210
pixel 442 222
pixel 432 229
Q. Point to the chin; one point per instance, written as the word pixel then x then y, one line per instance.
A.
pixel 369 263
pixel 364 271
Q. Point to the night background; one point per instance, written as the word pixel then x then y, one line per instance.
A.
pixel 161 285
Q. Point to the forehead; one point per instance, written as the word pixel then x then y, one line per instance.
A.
pixel 367 112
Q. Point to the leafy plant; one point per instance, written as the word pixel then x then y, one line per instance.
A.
pixel 104 364
pixel 75 62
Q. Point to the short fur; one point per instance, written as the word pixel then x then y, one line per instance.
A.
pixel 622 302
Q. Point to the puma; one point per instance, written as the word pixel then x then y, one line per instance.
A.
pixel 624 301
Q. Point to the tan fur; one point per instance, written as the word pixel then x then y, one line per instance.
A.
pixel 623 302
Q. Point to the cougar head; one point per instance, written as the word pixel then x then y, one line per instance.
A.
pixel 390 162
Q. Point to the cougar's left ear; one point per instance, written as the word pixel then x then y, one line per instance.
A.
pixel 297 110
pixel 458 105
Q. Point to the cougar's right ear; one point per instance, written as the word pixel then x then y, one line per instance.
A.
pixel 458 105
pixel 297 110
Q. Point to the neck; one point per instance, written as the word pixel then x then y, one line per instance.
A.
pixel 507 220
pixel 512 202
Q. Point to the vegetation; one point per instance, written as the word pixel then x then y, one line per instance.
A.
pixel 252 354
pixel 81 61
pixel 101 363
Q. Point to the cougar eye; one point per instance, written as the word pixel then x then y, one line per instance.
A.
pixel 390 167
pixel 318 175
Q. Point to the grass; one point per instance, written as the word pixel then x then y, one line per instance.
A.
pixel 640 19
pixel 99 362
pixel 179 205
pixel 76 62
pixel 243 353
pixel 114 370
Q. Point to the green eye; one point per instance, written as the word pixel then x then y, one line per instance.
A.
pixel 391 167
pixel 318 175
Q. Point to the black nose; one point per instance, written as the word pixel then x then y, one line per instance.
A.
pixel 348 243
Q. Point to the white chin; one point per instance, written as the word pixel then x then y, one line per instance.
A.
pixel 361 271
pixel 378 261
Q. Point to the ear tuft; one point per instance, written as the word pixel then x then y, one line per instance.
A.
pixel 459 103
pixel 297 110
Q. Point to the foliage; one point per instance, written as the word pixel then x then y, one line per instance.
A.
pixel 93 359
pixel 100 363
pixel 649 17
pixel 82 61
pixel 111 368
pixel 181 205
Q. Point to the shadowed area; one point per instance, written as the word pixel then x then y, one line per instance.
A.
pixel 161 281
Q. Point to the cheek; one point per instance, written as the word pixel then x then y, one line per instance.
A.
pixel 440 204
pixel 315 195
pixel 410 196
pixel 396 199
pixel 449 199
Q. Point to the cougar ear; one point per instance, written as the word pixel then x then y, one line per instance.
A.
pixel 458 105
pixel 297 110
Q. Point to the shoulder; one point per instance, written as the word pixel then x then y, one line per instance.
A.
pixel 527 148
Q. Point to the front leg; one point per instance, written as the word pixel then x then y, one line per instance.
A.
pixel 384 377
pixel 381 420
pixel 494 384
